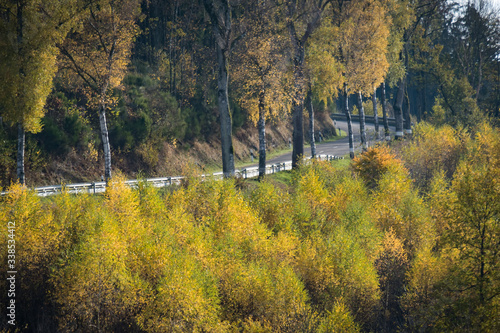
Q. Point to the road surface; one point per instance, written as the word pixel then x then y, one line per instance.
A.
pixel 339 147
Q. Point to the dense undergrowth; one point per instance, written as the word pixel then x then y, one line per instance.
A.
pixel 405 238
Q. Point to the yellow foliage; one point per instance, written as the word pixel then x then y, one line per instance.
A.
pixel 338 320
pixel 422 299
pixel 433 149
pixel 98 51
pixel 28 55
pixel 261 71
pixel 362 36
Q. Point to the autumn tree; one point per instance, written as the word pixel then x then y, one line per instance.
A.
pixel 323 73
pixel 219 12
pixel 302 18
pixel 96 55
pixel 261 73
pixel 401 14
pixel 473 230
pixel 360 30
pixel 29 32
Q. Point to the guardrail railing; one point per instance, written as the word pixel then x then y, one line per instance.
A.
pixel 100 187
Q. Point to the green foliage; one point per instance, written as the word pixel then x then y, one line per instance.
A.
pixel 64 127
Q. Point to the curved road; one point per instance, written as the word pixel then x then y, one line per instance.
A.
pixel 339 147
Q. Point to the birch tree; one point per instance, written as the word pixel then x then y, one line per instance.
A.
pixel 261 73
pixel 96 56
pixel 361 32
pixel 29 32
pixel 324 73
pixel 303 17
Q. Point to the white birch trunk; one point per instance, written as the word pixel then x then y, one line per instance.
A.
pixel 105 141
pixel 387 133
pixel 362 127
pixel 349 123
pixel 375 113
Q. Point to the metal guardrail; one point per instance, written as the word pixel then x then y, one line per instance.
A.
pixel 368 119
pixel 100 187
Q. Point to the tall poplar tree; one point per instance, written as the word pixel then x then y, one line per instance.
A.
pixel 97 54
pixel 29 32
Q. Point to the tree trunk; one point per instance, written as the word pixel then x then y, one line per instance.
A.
pixel 20 153
pixel 220 17
pixel 297 108
pixel 349 123
pixel 105 141
pixel 406 112
pixel 362 127
pixel 398 110
pixel 225 116
pixel 310 109
pixel 375 113
pixel 387 133
pixel 262 138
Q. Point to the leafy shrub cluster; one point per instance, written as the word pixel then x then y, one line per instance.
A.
pixel 337 250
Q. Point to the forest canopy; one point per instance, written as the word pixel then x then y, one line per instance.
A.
pixel 124 82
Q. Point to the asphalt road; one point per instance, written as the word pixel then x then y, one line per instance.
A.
pixel 339 147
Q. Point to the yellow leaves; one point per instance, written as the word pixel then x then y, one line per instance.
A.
pixel 338 320
pixel 28 64
pixel 362 38
pixel 433 149
pixel 322 60
pixel 260 70
pixel 99 53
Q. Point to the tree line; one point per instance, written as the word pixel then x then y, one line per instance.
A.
pixel 236 61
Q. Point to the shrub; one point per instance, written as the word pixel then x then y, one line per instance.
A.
pixel 374 163
pixel 431 150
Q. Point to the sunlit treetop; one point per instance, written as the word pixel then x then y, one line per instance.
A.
pixel 29 32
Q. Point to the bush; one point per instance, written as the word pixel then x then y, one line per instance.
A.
pixel 375 163
pixel 431 150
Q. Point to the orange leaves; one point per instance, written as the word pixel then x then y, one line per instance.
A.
pixel 374 163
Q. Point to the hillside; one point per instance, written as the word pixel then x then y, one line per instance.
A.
pixel 158 159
